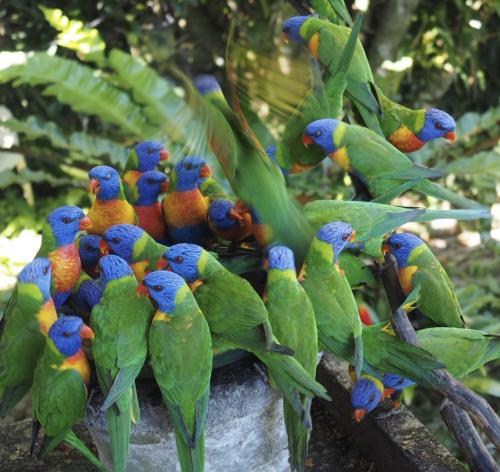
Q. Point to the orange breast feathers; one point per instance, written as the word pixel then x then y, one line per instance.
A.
pixel 405 140
pixel 79 363
pixel 314 45
pixel 107 213
pixel 406 278
pixel 341 158
pixel 151 220
pixel 185 208
pixel 47 315
pixel 66 267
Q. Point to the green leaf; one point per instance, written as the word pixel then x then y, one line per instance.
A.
pixel 82 144
pixel 84 89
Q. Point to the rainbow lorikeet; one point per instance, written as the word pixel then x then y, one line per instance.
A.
pixel 23 328
pixel 419 267
pixel 228 221
pixel 181 357
pixel 385 171
pixel 58 245
pixel 120 323
pixel 393 387
pixel 88 250
pixel 340 331
pixel 236 315
pixel 110 206
pixel 291 315
pixel 254 178
pixel 144 198
pixel 462 350
pixel 145 157
pixel 86 294
pixel 367 393
pixel 136 247
pixel 60 386
pixel 184 207
pixel 406 129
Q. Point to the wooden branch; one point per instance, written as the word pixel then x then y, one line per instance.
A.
pixel 479 410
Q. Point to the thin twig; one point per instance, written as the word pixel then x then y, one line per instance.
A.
pixel 483 415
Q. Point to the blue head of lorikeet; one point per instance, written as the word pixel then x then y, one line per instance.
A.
pixel 281 258
pixel 149 186
pixel 65 222
pixel 104 182
pixel 88 248
pixel 338 234
pixel 162 287
pixel 121 239
pixel 438 124
pixel 320 132
pixel 113 268
pixel 394 382
pixel 183 260
pixel 291 28
pixel 67 334
pixel 149 154
pixel 38 272
pixel 207 84
pixel 366 395
pixel 188 171
pixel 401 246
pixel 223 214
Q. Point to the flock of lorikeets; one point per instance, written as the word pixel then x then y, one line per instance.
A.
pixel 147 278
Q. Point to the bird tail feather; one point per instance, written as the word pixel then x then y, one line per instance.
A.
pixel 298 434
pixel 437 191
pixel 119 425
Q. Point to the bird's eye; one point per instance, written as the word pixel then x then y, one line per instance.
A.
pixel 345 237
pixel 116 240
pixel 150 151
pixel 188 166
pixel 66 220
pixel 107 177
pixel 46 270
pixel 372 398
pixel 318 133
pixel 438 125
pixel 397 246
pixel 65 334
pixel 178 259
pixel 400 381
pixel 286 29
pixel 157 288
pixel 150 181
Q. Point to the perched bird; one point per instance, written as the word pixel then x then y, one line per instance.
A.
pixel 146 156
pixel 24 327
pixel 184 207
pixel 228 221
pixel 236 315
pixel 110 206
pixel 462 350
pixel 291 315
pixel 338 322
pixel 181 357
pixel 58 245
pixel 385 171
pixel 88 250
pixel 366 395
pixel 146 205
pixel 406 129
pixel 136 247
pixel 60 386
pixel 120 323
pixel 419 267
pixel 394 386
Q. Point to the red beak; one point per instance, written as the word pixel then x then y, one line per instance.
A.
pixel 235 215
pixel 164 155
pixel 353 235
pixel 359 414
pixel 94 186
pixel 164 186
pixel 388 392
pixel 85 223
pixel 86 332
pixel 306 140
pixel 142 290
pixel 205 171
pixel 162 264
pixel 450 136
pixel 104 248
